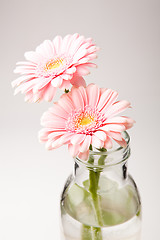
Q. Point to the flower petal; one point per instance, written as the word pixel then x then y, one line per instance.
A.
pixel 82 71
pixel 108 143
pixel 56 82
pixel 77 98
pixel 73 149
pixel 85 144
pixel 96 142
pixel 115 135
pixel 92 91
pixel 21 79
pixel 78 81
pixel 113 127
pixel 84 95
pixel 77 138
pixel 101 135
pixel 57 41
pixel 83 156
pixel 122 143
pixel 117 108
pixel 33 57
pixel 61 140
pixel 107 98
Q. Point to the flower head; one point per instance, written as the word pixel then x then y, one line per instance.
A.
pixel 54 64
pixel 85 116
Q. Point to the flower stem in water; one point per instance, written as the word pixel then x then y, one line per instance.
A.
pixel 94 233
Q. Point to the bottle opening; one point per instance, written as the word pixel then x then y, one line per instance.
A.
pixel 101 158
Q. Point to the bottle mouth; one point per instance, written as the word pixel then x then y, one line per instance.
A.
pixel 111 157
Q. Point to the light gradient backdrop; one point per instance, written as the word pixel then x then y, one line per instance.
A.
pixel 31 179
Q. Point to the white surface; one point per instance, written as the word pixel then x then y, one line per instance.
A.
pixel 31 179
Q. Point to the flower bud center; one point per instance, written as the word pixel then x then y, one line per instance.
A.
pixel 54 63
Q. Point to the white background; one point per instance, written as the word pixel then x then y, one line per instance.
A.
pixel 31 179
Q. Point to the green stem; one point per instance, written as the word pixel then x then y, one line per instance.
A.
pixel 94 179
pixel 86 232
pixel 94 182
pixel 94 233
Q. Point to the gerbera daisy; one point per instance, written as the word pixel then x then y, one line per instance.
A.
pixel 85 116
pixel 54 64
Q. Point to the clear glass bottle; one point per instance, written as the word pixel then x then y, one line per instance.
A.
pixel 100 201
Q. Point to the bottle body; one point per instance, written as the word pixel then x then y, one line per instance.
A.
pixel 112 211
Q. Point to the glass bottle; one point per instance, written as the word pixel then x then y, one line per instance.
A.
pixel 100 200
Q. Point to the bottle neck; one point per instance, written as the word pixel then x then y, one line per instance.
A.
pixel 117 173
pixel 110 164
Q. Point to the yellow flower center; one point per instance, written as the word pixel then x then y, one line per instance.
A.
pixel 86 121
pixel 55 63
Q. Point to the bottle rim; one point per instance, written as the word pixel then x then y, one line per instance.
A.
pixel 114 156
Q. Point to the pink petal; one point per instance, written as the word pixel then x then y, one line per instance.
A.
pixel 89 65
pixel 113 127
pixel 59 111
pixel 77 138
pixel 107 98
pixel 108 143
pixel 119 120
pixel 78 81
pixel 29 96
pixel 110 102
pixel 66 103
pixel 82 71
pixel 79 54
pixel 43 135
pixel 65 43
pixel 25 63
pixel 83 60
pixel 42 82
pixel 57 44
pixel 77 98
pixel 117 108
pixel 21 79
pixel 84 95
pixel 64 139
pixel 49 49
pixel 83 156
pixel 85 144
pixel 48 145
pixel 92 56
pixel 92 91
pixel 65 85
pixel 24 70
pixel 73 149
pixel 55 135
pixel 92 49
pixel 96 142
pixel 71 40
pixel 115 135
pixel 129 122
pixel 77 43
pixel 122 143
pixel 71 70
pixel 49 93
pixel 56 82
pixel 52 123
pixel 27 86
pixel 66 76
pixel 101 135
pixel 33 57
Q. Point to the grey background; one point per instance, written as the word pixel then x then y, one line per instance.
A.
pixel 31 179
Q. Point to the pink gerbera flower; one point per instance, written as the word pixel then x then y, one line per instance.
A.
pixel 85 116
pixel 54 64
